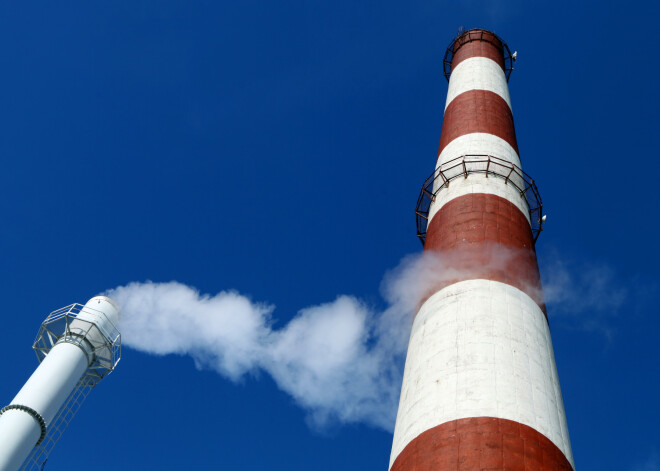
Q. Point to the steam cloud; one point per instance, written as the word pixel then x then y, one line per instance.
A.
pixel 341 361
pixel 590 287
pixel 651 464
pixel 585 296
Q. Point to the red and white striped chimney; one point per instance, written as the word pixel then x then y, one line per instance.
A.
pixel 480 389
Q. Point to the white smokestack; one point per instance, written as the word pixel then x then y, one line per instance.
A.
pixel 24 423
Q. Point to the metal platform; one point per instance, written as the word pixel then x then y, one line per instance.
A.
pixel 102 345
pixel 469 36
pixel 68 325
pixel 488 165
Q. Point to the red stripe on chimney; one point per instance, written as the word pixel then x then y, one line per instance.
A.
pixel 487 237
pixel 481 443
pixel 478 111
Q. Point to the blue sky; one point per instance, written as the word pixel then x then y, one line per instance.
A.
pixel 277 149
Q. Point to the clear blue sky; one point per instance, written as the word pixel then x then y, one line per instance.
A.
pixel 277 148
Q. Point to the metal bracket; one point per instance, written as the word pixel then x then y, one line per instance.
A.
pixel 33 413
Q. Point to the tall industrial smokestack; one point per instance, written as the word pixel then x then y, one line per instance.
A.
pixel 480 388
pixel 77 346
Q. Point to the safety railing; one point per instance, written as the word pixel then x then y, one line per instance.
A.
pixel 477 35
pixel 101 338
pixel 490 166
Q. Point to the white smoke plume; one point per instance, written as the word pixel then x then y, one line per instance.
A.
pixel 334 359
pixel 573 288
pixel 584 295
pixel 651 464
pixel 341 361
